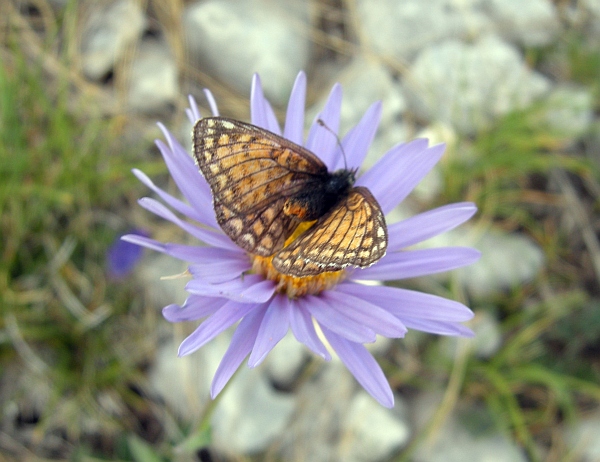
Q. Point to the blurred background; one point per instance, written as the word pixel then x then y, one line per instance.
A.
pixel 88 367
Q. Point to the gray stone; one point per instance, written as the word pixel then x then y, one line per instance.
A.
pixel 250 415
pixel 582 438
pixel 331 388
pixel 470 85
pixel 184 383
pixel 570 110
pixel 485 344
pixel 532 23
pixel 371 432
pixel 153 82
pixel 507 260
pixel 109 31
pixel 399 29
pixel 453 440
pixel 353 428
pixel 366 81
pixel 233 39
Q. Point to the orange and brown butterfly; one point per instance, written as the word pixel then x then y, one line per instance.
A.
pixel 264 186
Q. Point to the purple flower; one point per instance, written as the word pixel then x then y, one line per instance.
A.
pixel 122 257
pixel 225 290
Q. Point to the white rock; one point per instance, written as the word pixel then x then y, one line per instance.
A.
pixel 399 29
pixel 507 260
pixel 153 81
pixel 184 383
pixel 250 415
pixel 570 110
pixel 371 432
pixel 488 334
pixel 453 442
pixel 366 81
pixel 322 405
pixel 469 86
pixel 583 439
pixel 108 32
pixel 532 23
pixel 233 39
pixel 487 340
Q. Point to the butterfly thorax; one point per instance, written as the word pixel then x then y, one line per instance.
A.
pixel 315 201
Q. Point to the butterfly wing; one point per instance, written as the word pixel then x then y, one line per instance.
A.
pixel 354 233
pixel 251 173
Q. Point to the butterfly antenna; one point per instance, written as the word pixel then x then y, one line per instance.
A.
pixel 322 123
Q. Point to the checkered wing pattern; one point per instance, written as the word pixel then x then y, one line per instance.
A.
pixel 251 173
pixel 354 233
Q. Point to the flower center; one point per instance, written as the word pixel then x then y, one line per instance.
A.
pixel 294 286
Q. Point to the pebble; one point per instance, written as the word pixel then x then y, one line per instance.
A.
pixel 108 33
pixel 454 440
pixel 233 39
pixel 469 86
pixel 400 29
pixel 533 23
pixel 153 78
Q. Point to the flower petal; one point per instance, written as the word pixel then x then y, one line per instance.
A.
pixel 273 328
pixel 239 347
pixel 428 224
pixel 214 110
pixel 363 366
pixel 360 310
pixel 187 177
pixel 193 112
pixel 230 313
pixel 249 289
pixel 410 303
pixel 294 119
pixel 194 308
pixel 415 263
pixel 210 237
pixel 261 112
pixel 173 202
pixel 358 140
pixel 334 320
pixel 144 242
pixel 302 326
pixel 204 254
pixel 438 327
pixel 218 270
pixel 410 162
pixel 320 140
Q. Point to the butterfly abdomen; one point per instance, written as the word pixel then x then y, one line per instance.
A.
pixel 320 197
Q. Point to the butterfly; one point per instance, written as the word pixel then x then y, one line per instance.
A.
pixel 264 186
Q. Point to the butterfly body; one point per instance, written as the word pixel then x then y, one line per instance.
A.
pixel 264 186
pixel 321 196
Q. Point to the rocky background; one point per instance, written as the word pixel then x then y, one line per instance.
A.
pixel 89 368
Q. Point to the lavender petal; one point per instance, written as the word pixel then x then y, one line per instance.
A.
pixel 363 366
pixel 415 263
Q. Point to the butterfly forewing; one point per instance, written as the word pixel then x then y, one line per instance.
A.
pixel 251 173
pixel 354 233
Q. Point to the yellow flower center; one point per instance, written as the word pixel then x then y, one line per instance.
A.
pixel 294 286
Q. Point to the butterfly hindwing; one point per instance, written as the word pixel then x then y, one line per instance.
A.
pixel 353 233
